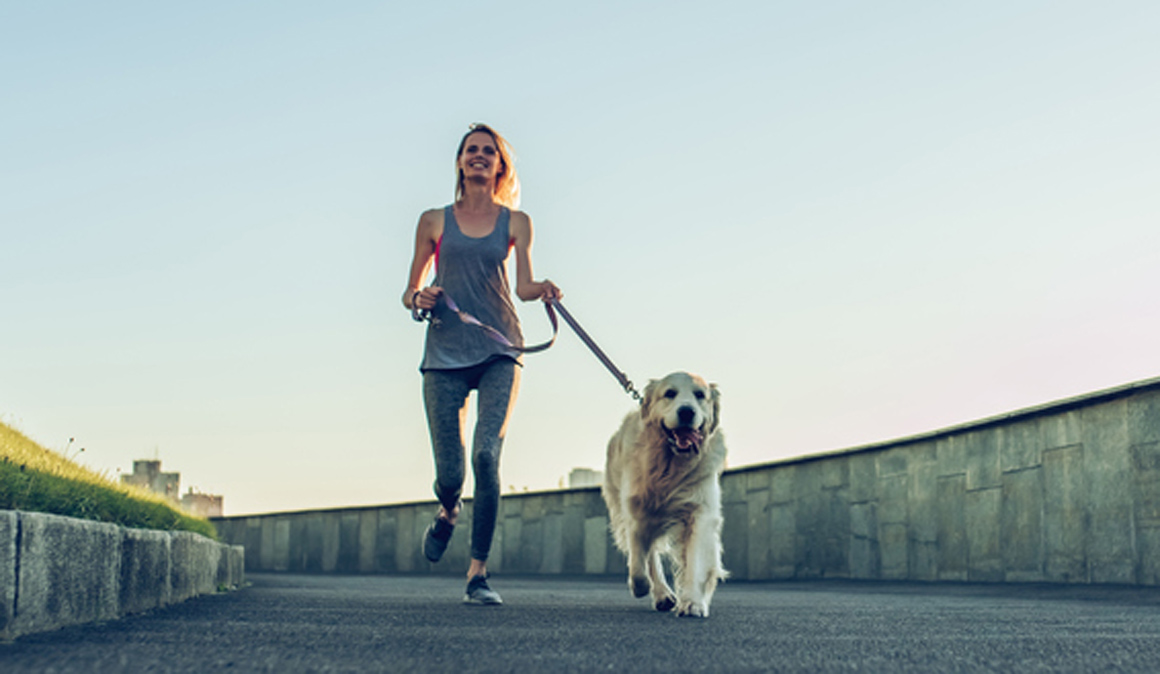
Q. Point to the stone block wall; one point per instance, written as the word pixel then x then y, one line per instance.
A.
pixel 1067 492
pixel 57 571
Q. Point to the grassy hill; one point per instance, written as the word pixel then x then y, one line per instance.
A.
pixel 36 479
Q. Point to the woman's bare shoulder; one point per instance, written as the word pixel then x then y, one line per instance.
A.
pixel 431 222
pixel 520 222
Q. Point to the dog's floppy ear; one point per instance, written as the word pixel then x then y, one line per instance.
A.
pixel 649 396
pixel 715 398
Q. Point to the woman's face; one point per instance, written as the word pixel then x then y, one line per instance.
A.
pixel 480 160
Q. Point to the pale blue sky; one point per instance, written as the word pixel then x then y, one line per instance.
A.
pixel 862 220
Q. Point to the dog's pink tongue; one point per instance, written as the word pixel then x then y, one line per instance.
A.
pixel 687 437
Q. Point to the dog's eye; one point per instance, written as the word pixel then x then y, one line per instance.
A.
pixel 699 394
pixel 671 393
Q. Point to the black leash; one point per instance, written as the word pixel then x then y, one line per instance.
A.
pixel 551 307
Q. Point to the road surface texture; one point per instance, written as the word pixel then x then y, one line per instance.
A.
pixel 302 623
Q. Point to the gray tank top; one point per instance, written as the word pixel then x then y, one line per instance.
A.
pixel 473 272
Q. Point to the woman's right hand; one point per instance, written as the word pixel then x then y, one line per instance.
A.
pixel 425 299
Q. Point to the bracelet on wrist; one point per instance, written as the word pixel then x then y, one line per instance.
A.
pixel 416 312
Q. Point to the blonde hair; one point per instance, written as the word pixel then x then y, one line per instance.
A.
pixel 507 183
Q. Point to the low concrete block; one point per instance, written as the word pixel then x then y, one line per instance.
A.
pixel 8 528
pixel 310 542
pixel 757 531
pixel 1022 525
pixel 195 565
pixel 922 508
pixel 1065 515
pixel 253 542
pixel 735 539
pixel 596 543
pixel 331 541
pixel 782 540
pixel 282 544
pixel 983 511
pixel 238 565
pixel 347 554
pixel 573 534
pixel 231 570
pixel 368 525
pixel 952 527
pixel 145 570
pixel 404 536
pixel 269 547
pixel 531 548
pixel 865 555
pixel 552 547
pixel 894 551
pixel 386 540
pixel 55 589
pixel 835 553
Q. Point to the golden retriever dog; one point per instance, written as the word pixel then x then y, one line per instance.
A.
pixel 662 488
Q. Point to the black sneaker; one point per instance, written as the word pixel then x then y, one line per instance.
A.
pixel 436 537
pixel 479 593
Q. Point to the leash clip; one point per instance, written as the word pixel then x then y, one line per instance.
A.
pixel 420 315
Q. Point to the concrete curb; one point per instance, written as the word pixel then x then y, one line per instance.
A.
pixel 57 571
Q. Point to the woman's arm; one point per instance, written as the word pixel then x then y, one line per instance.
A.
pixel 527 288
pixel 427 235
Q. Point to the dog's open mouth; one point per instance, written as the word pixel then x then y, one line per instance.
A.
pixel 684 439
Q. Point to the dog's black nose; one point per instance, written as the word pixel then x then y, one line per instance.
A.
pixel 685 415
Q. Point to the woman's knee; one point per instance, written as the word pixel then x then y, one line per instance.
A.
pixel 485 465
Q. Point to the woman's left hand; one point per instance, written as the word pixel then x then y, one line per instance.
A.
pixel 550 291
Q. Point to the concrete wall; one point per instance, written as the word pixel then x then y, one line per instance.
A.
pixel 1067 492
pixel 57 571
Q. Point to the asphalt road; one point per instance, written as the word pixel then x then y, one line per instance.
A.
pixel 296 623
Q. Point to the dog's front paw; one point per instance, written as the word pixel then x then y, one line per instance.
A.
pixel 639 586
pixel 666 603
pixel 693 609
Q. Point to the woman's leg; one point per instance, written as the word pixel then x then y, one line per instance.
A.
pixel 497 390
pixel 445 396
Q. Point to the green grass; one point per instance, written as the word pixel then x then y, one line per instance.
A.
pixel 36 479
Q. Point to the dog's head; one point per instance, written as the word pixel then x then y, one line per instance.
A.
pixel 685 409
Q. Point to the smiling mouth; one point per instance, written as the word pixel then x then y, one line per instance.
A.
pixel 683 439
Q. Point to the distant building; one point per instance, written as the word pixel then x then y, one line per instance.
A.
pixel 147 474
pixel 585 477
pixel 202 505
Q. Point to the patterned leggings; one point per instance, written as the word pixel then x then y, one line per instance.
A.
pixel 445 394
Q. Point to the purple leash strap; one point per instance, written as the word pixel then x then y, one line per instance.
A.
pixel 487 329
pixel 551 307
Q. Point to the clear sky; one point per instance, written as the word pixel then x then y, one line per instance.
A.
pixel 862 220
